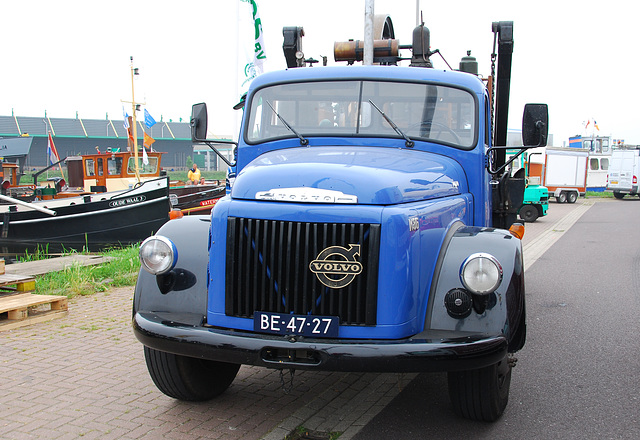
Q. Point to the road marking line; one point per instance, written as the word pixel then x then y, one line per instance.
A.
pixel 535 249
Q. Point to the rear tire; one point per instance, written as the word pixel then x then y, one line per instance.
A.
pixel 618 195
pixel 186 378
pixel 481 394
pixel 572 197
pixel 562 197
pixel 529 213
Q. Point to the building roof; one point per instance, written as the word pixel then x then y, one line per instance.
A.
pixel 88 128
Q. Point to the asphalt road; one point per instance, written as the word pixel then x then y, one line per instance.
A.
pixel 578 375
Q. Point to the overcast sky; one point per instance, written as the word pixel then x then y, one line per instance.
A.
pixel 68 56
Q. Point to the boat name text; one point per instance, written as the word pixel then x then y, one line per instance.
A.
pixel 129 201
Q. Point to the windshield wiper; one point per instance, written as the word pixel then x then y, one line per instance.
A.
pixel 408 142
pixel 303 141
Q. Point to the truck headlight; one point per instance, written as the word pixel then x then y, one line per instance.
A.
pixel 481 273
pixel 158 254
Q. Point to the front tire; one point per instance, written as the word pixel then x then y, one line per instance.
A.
pixel 529 213
pixel 186 378
pixel 481 394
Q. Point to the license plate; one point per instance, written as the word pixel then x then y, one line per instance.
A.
pixel 306 325
pixel 614 182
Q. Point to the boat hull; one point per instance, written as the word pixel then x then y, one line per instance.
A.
pixel 196 199
pixel 92 221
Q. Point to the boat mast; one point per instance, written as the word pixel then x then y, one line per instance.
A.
pixel 134 107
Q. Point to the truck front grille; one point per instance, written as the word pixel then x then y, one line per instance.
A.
pixel 268 269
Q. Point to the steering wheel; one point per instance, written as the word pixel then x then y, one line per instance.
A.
pixel 440 129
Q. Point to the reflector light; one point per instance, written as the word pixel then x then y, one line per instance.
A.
pixel 517 230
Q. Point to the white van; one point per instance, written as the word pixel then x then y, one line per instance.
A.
pixel 624 170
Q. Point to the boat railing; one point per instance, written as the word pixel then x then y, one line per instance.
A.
pixel 27 205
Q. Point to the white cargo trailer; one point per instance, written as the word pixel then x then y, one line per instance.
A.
pixel 565 173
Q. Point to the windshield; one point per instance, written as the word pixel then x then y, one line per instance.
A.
pixel 343 108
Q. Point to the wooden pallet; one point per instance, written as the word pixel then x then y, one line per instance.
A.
pixel 16 283
pixel 20 309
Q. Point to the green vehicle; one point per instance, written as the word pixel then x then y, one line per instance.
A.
pixel 536 196
pixel 535 204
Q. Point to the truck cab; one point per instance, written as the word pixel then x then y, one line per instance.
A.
pixel 358 235
pixel 536 196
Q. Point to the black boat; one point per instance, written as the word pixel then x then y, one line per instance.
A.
pixel 88 221
pixel 195 200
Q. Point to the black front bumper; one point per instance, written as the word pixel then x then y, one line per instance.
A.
pixel 428 351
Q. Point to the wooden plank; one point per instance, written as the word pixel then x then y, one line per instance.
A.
pixel 41 267
pixel 9 278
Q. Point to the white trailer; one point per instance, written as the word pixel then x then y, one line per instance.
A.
pixel 565 173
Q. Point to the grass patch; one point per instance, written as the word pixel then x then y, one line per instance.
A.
pixel 302 433
pixel 40 253
pixel 601 194
pixel 87 280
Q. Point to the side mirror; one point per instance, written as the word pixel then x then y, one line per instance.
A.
pixel 199 131
pixel 199 122
pixel 535 125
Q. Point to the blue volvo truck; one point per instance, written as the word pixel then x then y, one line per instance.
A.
pixel 368 226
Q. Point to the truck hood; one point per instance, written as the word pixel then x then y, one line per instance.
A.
pixel 347 174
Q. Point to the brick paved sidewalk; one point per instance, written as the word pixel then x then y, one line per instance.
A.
pixel 84 376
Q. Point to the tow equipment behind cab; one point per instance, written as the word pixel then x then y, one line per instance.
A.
pixel 365 230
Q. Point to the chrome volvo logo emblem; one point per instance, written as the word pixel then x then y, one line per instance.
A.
pixel 336 267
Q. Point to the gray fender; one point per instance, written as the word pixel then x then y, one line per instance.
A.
pixel 183 291
pixel 505 312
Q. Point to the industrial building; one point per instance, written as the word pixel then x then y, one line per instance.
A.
pixel 23 139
